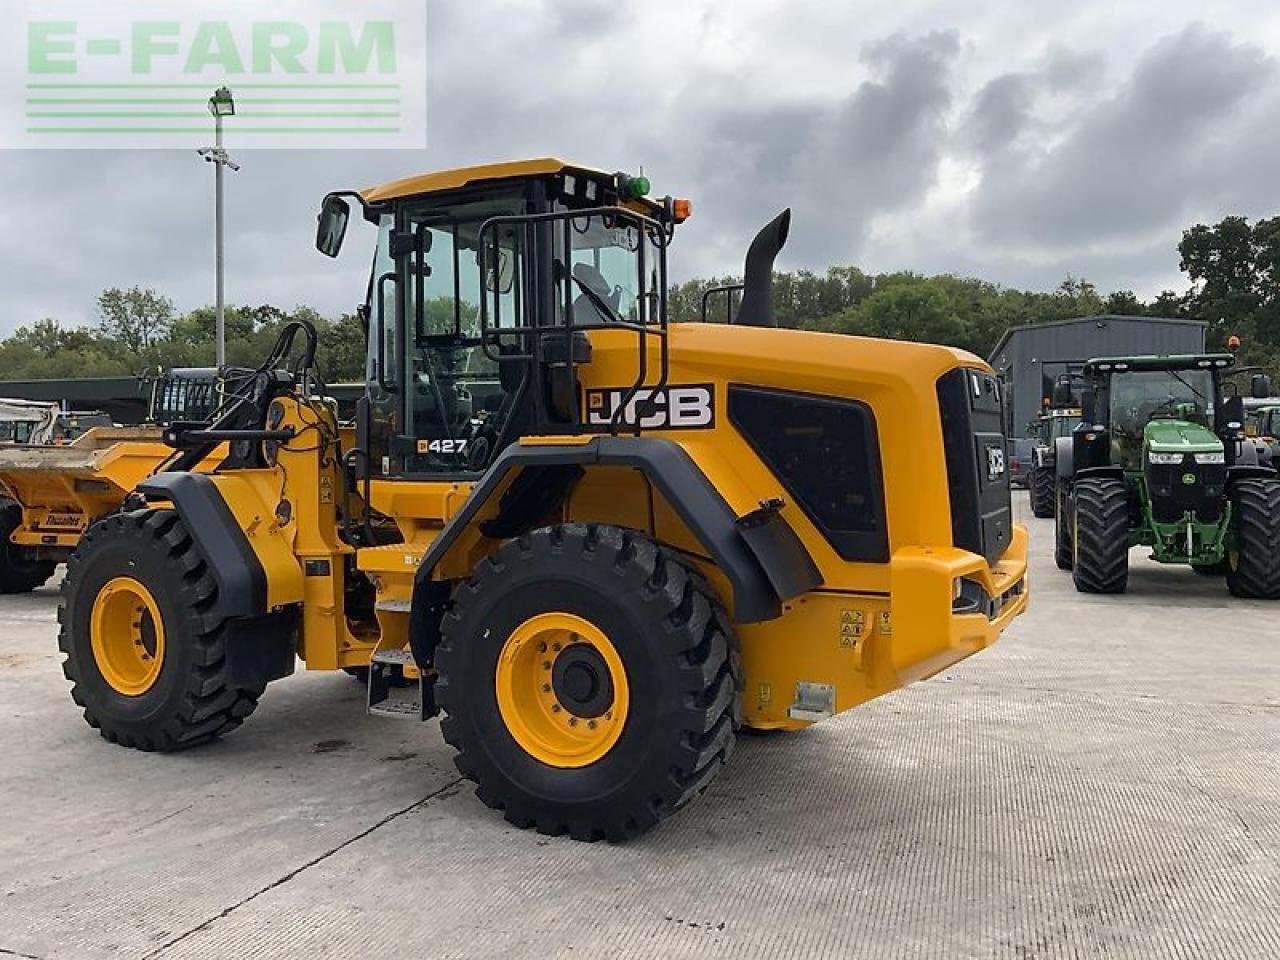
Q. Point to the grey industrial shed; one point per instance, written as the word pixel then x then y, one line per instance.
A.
pixel 1030 358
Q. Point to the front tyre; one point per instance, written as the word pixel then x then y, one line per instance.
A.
pixel 146 663
pixel 1063 547
pixel 588 683
pixel 1100 536
pixel 1043 480
pixel 1253 567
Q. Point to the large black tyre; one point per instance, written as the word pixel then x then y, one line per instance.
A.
pixel 1100 532
pixel 1043 482
pixel 21 570
pixel 1253 568
pixel 1063 548
pixel 190 699
pixel 680 670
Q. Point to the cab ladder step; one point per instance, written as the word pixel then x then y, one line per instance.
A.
pixel 406 703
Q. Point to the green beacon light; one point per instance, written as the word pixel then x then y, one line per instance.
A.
pixel 635 188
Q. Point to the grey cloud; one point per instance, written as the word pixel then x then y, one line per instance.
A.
pixel 1001 112
pixel 838 162
pixel 1137 160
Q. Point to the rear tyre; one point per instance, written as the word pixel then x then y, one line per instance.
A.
pixel 1063 548
pixel 1042 492
pixel 1100 534
pixel 1253 567
pixel 147 663
pixel 21 570
pixel 588 682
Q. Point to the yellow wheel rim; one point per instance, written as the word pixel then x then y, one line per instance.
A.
pixel 127 636
pixel 562 690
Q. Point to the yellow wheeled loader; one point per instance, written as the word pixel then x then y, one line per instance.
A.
pixel 597 544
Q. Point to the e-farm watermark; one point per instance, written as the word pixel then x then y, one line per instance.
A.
pixel 314 74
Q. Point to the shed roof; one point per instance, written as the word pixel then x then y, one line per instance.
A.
pixel 1008 334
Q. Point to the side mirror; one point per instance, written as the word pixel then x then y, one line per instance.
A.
pixel 332 225
pixel 499 277
pixel 1260 386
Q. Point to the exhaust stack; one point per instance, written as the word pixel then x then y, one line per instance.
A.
pixel 756 309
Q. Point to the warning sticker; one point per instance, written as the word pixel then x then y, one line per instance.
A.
pixel 852 627
pixel 886 622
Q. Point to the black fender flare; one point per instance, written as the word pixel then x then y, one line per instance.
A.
pixel 242 583
pixel 1250 472
pixel 1101 473
pixel 1064 457
pixel 261 643
pixel 763 557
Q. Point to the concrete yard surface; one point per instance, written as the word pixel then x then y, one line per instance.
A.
pixel 1105 781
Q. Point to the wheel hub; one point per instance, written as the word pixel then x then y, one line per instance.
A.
pixel 127 636
pixel 580 681
pixel 562 690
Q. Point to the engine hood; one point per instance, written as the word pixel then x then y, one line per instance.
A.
pixel 1180 436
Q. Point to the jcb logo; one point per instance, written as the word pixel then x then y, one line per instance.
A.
pixel 995 463
pixel 671 408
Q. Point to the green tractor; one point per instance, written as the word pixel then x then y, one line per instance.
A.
pixel 1161 460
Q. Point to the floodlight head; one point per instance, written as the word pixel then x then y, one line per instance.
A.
pixel 222 104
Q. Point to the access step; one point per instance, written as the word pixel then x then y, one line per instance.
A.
pixel 398 701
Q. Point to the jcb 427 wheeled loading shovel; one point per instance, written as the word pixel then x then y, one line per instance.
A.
pixel 595 544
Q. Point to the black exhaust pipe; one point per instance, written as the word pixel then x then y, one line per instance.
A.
pixel 756 309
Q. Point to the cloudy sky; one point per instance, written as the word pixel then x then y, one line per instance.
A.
pixel 1017 140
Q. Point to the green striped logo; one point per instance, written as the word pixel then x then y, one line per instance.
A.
pixel 315 74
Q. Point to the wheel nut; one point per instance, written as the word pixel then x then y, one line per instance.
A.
pixel 546 688
pixel 555 647
pixel 546 664
pixel 573 721
pixel 542 648
pixel 555 708
pixel 591 724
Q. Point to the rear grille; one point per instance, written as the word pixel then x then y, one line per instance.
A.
pixel 972 411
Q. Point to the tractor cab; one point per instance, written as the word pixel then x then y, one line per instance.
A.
pixel 484 284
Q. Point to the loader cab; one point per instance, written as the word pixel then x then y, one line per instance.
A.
pixel 484 286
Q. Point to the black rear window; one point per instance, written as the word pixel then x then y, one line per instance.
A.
pixel 827 455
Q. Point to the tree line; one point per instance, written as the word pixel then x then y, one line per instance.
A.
pixel 1232 268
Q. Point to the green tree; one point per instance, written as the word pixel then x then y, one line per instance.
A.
pixel 134 318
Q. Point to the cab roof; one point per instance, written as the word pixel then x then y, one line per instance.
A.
pixel 1181 361
pixel 443 180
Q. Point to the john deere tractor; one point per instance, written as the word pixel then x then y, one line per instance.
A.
pixel 596 544
pixel 1161 460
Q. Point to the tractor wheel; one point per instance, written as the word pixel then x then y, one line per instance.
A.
pixel 588 682
pixel 146 665
pixel 1042 492
pixel 21 570
pixel 1063 548
pixel 1100 534
pixel 1253 567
